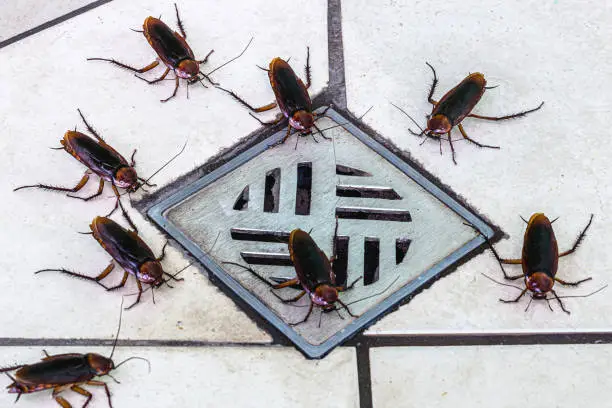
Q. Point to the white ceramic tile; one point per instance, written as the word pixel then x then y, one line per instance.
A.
pixel 209 377
pixel 552 161
pixel 19 16
pixel 500 376
pixel 38 102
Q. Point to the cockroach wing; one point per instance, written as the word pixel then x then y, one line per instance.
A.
pixel 169 45
pixel 99 157
pixel 63 369
pixel 126 247
pixel 291 93
pixel 540 250
pixel 459 101
pixel 312 266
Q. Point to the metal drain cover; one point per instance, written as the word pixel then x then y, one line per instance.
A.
pixel 397 230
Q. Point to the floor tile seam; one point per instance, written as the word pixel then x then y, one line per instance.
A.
pixel 51 23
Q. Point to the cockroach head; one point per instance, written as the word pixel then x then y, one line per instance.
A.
pixel 126 177
pixel 439 124
pixel 150 272
pixel 324 295
pixel 188 69
pixel 302 120
pixel 539 284
pixel 100 365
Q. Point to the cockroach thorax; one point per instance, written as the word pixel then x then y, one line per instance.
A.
pixel 540 284
pixel 324 295
pixel 302 120
pixel 126 177
pixel 150 272
pixel 439 124
pixel 100 365
pixel 187 69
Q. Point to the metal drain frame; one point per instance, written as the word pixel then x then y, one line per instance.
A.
pixel 156 213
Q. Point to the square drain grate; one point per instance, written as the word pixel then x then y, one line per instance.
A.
pixel 397 230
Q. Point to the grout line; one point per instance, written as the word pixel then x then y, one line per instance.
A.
pixel 489 339
pixel 364 375
pixel 21 342
pixel 335 51
pixel 52 23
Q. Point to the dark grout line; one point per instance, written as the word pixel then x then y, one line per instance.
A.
pixel 364 375
pixel 29 342
pixel 335 51
pixel 52 23
pixel 487 339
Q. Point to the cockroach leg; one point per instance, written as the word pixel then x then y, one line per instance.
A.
pixel 511 261
pixel 96 194
pixel 560 302
pixel 139 70
pixel 286 284
pixel 95 279
pixel 139 284
pixel 206 58
pixel 246 104
pixel 286 135
pixel 307 68
pixel 262 68
pixel 578 240
pixel 572 283
pixel 161 78
pixel 320 132
pixel 515 300
pixel 133 160
pixel 83 392
pixel 123 212
pixel 62 401
pixel 276 121
pixel 349 287
pixel 74 189
pixel 450 142
pixel 176 86
pixel 174 278
pixel 346 308
pixel 433 85
pixel 163 253
pixel 90 128
pixel 179 22
pixel 465 136
pixel 305 318
pixel 291 300
pixel 102 384
pixel 512 116
pixel 121 284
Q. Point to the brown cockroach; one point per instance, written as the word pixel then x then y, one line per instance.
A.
pixel 540 259
pixel 174 52
pixel 65 371
pixel 292 98
pixel 456 105
pixel 100 158
pixel 130 252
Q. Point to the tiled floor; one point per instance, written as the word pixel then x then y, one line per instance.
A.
pixel 441 349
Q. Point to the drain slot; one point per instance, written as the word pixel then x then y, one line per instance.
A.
pixel 304 189
pixel 266 258
pixel 371 260
pixel 383 193
pixel 272 190
pixel 246 234
pixel 340 265
pixel 379 214
pixel 350 171
pixel 242 202
pixel 401 248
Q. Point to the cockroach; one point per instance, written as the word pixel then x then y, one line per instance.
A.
pixel 292 98
pixel 173 51
pixel 65 371
pixel 100 158
pixel 130 252
pixel 314 274
pixel 456 105
pixel 539 260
